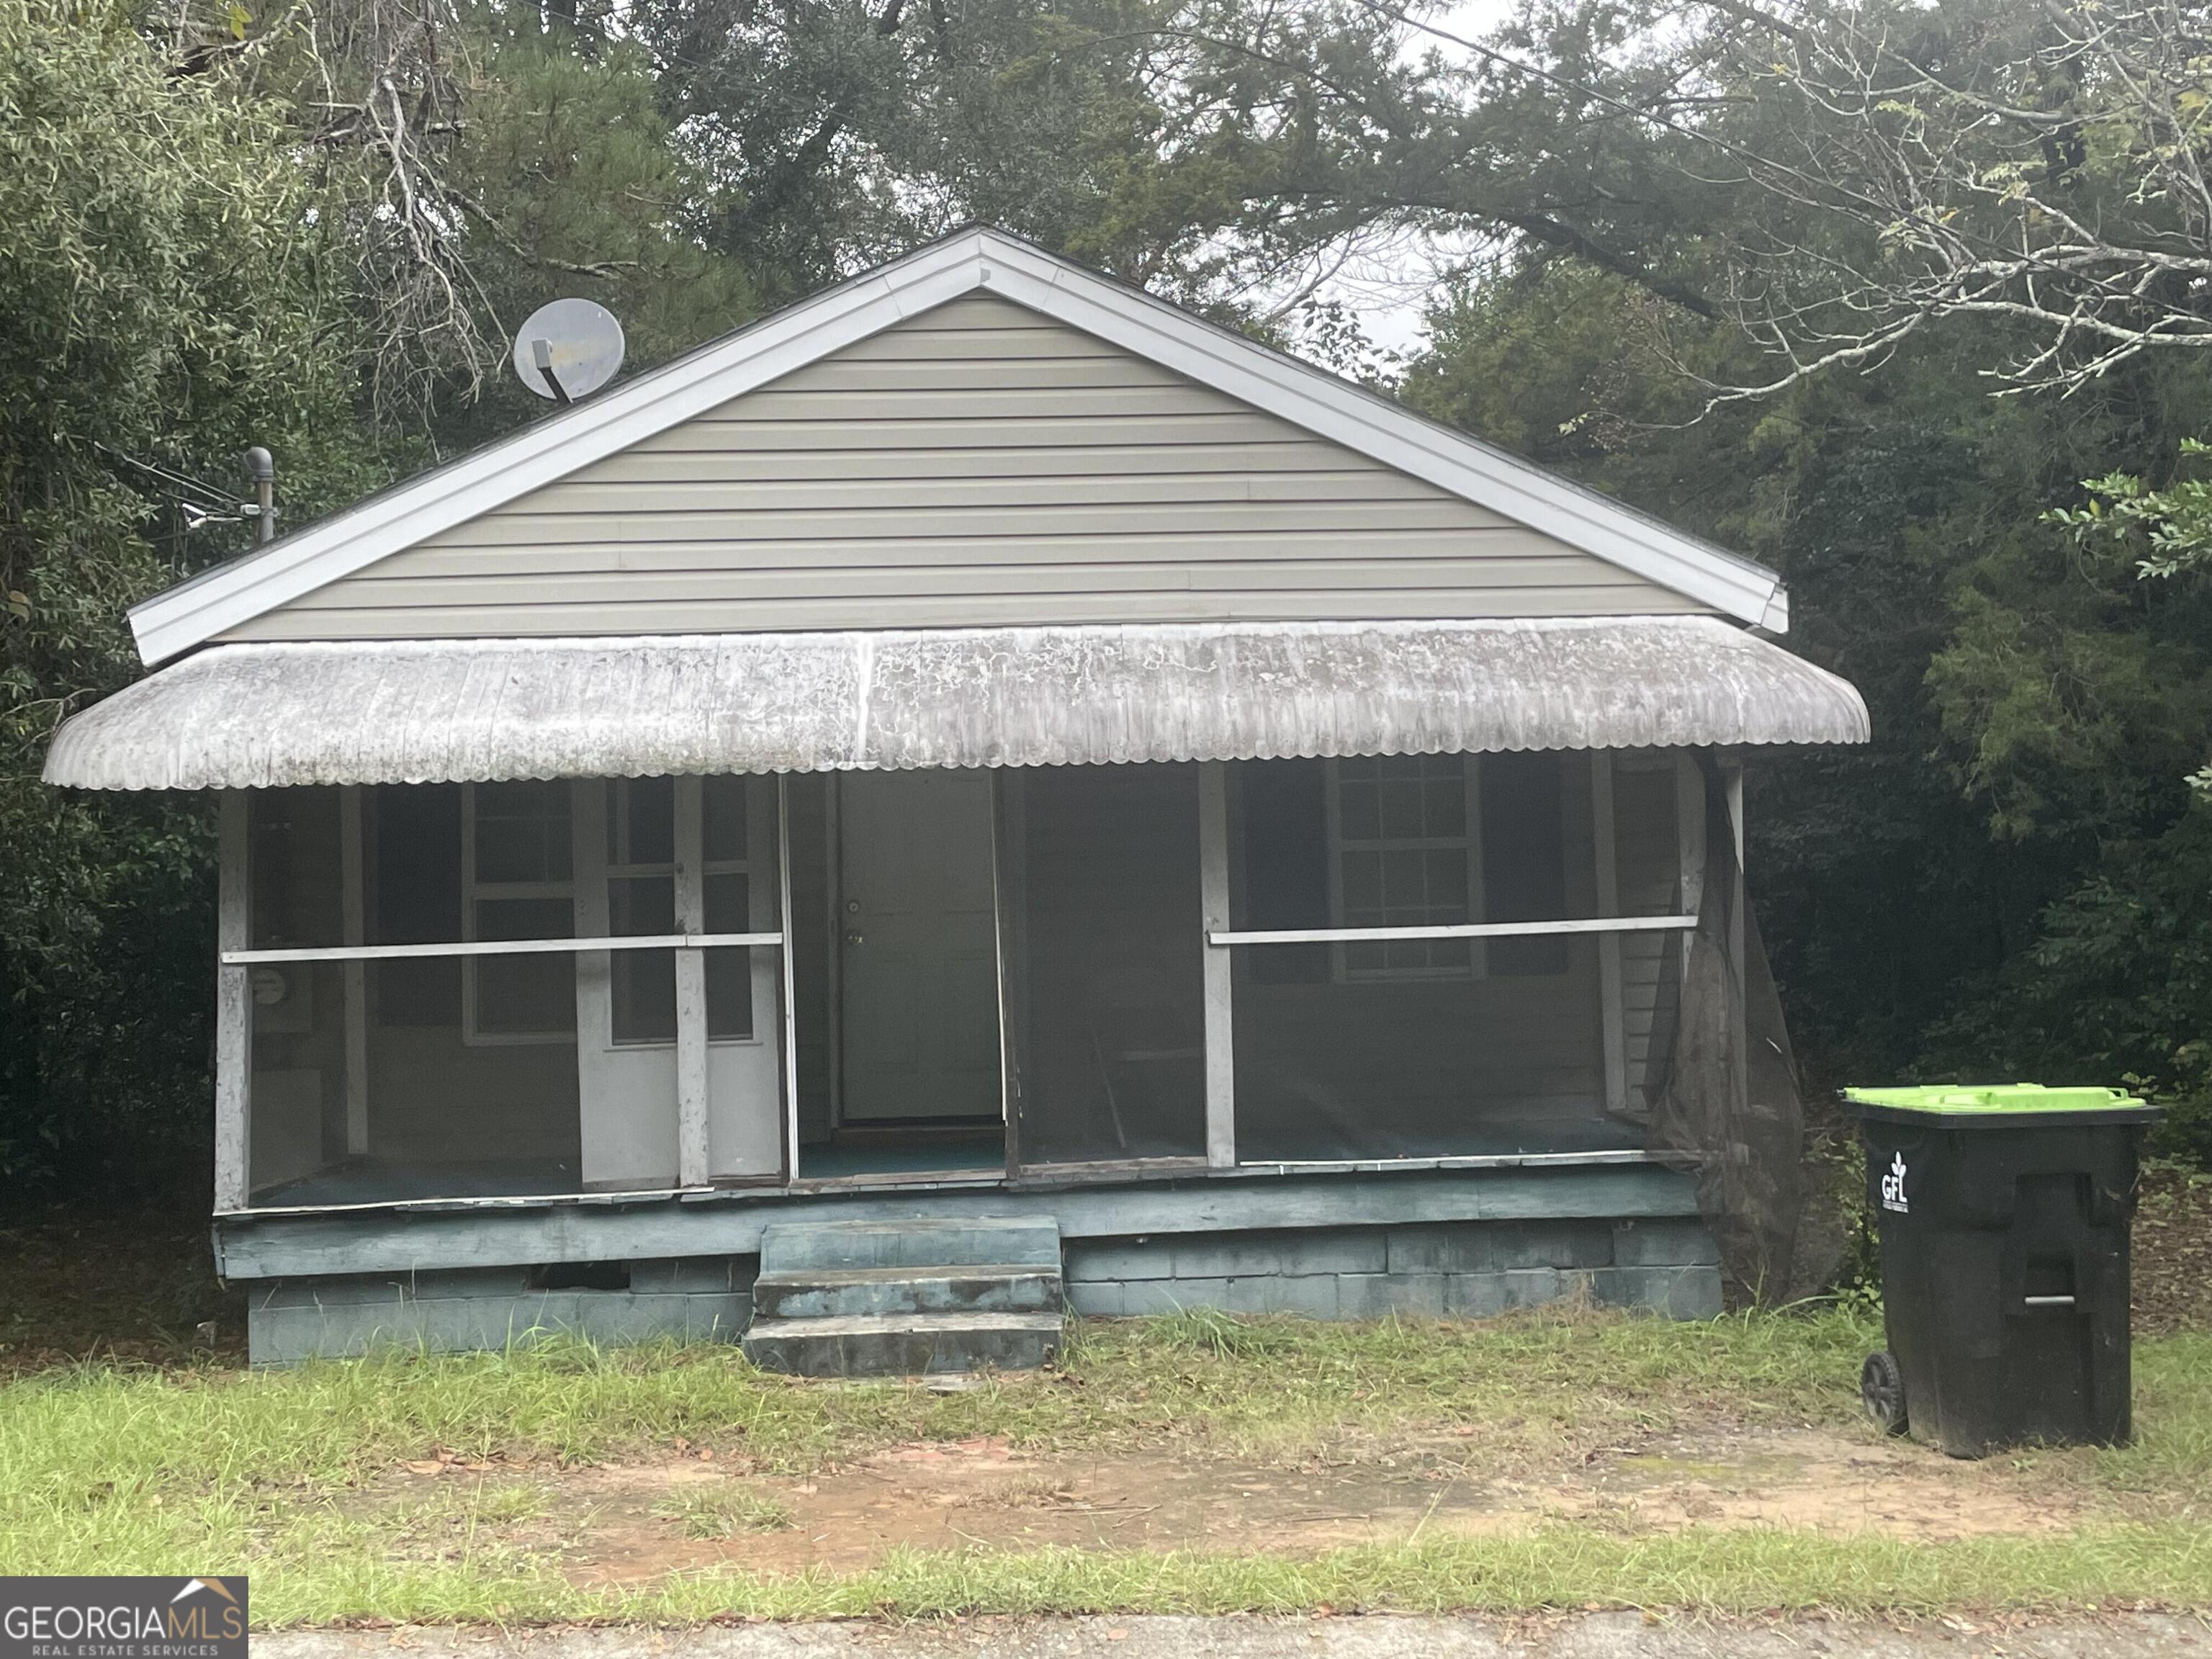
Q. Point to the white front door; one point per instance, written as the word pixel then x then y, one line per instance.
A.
pixel 627 832
pixel 920 964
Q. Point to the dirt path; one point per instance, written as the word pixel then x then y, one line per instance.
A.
pixel 1595 1635
pixel 630 1522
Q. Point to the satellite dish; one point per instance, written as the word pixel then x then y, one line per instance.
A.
pixel 568 349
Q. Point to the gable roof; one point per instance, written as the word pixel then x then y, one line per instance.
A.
pixel 969 261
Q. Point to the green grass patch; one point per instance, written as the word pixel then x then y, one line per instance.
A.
pixel 725 1510
pixel 300 1476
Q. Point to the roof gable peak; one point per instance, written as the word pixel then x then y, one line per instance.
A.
pixel 974 259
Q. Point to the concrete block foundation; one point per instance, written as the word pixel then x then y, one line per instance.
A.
pixel 1467 1269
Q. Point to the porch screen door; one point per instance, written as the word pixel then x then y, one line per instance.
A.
pixel 628 835
pixel 918 947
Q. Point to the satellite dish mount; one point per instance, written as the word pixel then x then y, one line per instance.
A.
pixel 568 349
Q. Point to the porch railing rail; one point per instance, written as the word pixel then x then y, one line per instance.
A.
pixel 1222 938
pixel 497 947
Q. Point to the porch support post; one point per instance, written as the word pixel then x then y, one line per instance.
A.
pixel 1010 903
pixel 1213 901
pixel 1611 1019
pixel 355 974
pixel 233 1009
pixel 691 1145
pixel 784 923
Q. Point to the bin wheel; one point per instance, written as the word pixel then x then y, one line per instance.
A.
pixel 1882 1388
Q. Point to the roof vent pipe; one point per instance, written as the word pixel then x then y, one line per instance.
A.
pixel 261 468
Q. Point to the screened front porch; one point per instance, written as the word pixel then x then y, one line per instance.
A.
pixel 605 986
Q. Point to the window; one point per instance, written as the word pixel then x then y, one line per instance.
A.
pixel 1414 841
pixel 517 884
pixel 1399 828
pixel 642 901
pixel 726 837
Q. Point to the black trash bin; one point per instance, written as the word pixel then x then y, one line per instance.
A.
pixel 2004 1217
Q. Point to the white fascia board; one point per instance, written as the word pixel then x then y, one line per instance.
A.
pixel 1375 426
pixel 198 610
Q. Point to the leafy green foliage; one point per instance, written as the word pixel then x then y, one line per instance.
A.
pixel 164 304
pixel 182 279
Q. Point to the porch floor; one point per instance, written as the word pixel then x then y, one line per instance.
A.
pixel 926 1155
pixel 390 1180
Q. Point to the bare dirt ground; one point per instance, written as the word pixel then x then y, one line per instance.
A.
pixel 633 1522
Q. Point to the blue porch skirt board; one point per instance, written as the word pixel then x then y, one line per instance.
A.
pixel 1342 1246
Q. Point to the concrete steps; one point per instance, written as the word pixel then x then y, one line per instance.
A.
pixel 922 1297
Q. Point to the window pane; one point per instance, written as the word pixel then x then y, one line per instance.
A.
pixel 1402 808
pixel 730 970
pixel 522 832
pixel 726 820
pixel 528 918
pixel 641 904
pixel 644 980
pixel 1405 892
pixel 642 827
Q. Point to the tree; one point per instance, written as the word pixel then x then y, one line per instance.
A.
pixel 2041 167
pixel 167 303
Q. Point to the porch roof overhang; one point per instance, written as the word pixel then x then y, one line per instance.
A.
pixel 442 711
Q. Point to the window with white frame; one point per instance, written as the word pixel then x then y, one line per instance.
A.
pixel 517 883
pixel 1405 851
pixel 642 901
pixel 730 866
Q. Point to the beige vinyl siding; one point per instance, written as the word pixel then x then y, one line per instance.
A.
pixel 977 464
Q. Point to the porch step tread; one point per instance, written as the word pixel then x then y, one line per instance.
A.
pixel 874 1324
pixel 990 1288
pixel 901 1275
pixel 956 1343
pixel 932 1243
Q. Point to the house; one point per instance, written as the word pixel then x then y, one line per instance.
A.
pixel 979 787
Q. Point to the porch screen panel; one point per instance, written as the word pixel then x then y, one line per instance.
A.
pixel 471 1084
pixel 296 1129
pixel 1361 1050
pixel 1115 1066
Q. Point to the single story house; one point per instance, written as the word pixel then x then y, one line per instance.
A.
pixel 981 788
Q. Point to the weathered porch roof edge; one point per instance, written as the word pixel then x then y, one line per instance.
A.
pixel 976 260
pixel 268 716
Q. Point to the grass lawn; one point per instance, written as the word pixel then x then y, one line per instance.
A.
pixel 1558 1459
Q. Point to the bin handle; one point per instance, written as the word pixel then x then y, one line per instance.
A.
pixel 2048 1301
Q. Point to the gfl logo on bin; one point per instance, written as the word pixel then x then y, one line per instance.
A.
pixel 1892 1187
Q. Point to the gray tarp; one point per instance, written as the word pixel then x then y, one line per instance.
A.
pixel 264 716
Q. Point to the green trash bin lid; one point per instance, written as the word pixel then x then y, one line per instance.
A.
pixel 2008 1100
